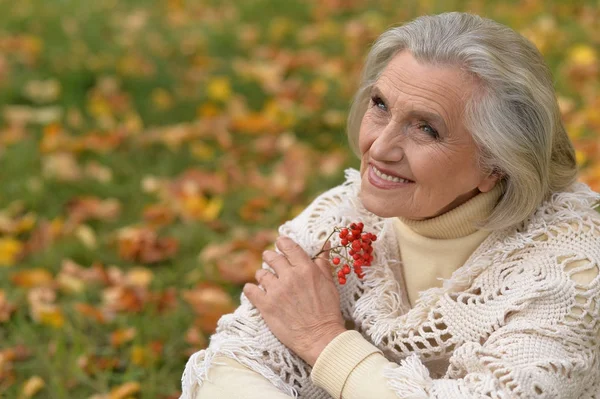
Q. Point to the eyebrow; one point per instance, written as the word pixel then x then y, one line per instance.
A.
pixel 415 113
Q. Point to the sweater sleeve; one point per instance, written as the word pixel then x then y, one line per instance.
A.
pixel 230 379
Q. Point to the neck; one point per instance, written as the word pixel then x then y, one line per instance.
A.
pixel 460 221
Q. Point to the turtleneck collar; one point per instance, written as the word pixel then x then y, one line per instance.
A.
pixel 460 221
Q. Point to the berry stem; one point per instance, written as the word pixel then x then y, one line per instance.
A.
pixel 325 243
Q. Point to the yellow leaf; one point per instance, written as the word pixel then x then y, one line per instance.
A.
pixel 26 223
pixel 219 89
pixel 52 317
pixel 278 28
pixel 10 249
pixel 202 151
pixel 124 391
pixel 140 356
pixel 86 235
pixel 200 208
pixel 139 277
pixel 32 386
pixel 70 284
pixel 583 55
pixel 56 226
pixel 213 208
pixel 580 157
pixel 162 99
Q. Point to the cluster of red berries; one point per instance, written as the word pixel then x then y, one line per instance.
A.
pixel 358 249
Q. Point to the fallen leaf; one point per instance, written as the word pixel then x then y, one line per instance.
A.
pixel 98 172
pixel 219 89
pixel 143 245
pixel 6 308
pixel 209 302
pixel 158 215
pixel 239 267
pixel 122 336
pixel 86 208
pixel 123 299
pixel 30 278
pixel 90 311
pixel 10 251
pixel 126 390
pixel 32 386
pixel 87 236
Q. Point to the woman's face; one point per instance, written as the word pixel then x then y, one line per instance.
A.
pixel 418 160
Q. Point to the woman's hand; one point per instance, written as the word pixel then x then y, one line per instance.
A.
pixel 300 303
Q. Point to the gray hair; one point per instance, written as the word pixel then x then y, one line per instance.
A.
pixel 513 117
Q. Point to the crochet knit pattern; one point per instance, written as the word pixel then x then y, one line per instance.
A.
pixel 520 319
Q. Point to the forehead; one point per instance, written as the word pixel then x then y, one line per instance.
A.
pixel 442 88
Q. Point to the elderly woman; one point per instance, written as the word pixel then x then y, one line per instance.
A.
pixel 484 281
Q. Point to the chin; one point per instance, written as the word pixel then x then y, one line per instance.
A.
pixel 378 208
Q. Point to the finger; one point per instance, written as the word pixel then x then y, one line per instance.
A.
pixel 278 262
pixel 254 294
pixel 294 252
pixel 265 278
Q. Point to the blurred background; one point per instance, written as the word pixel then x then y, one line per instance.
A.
pixel 150 149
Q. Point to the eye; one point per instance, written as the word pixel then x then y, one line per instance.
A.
pixel 425 127
pixel 378 102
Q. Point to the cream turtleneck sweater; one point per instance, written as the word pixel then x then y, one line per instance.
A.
pixel 433 249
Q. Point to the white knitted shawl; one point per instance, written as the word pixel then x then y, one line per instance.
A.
pixel 515 321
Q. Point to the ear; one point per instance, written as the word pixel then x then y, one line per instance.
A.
pixel 489 181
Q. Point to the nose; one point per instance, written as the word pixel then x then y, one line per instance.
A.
pixel 388 145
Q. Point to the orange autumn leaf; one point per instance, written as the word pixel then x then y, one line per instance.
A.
pixel 122 336
pixel 123 299
pixel 44 234
pixel 237 260
pixel 158 215
pixel 91 312
pixel 32 278
pixel 239 267
pixel 6 308
pixel 254 123
pixel 143 245
pixel 254 209
pixel 85 208
pixel 195 181
pixel 196 338
pixel 209 302
pixel 124 391
pixel 164 301
pixel 92 364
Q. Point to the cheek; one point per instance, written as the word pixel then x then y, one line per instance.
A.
pixel 365 135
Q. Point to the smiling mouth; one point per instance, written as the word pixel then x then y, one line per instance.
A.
pixel 393 179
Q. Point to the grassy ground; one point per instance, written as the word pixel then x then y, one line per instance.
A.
pixel 150 149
